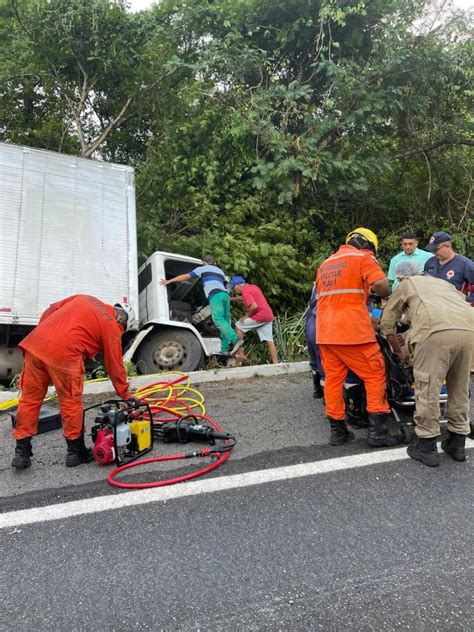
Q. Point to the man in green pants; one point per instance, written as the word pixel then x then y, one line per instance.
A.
pixel 213 282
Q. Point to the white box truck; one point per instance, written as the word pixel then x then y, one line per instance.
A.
pixel 68 226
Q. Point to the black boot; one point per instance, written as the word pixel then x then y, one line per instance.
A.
pixel 23 454
pixel 339 432
pixel 77 452
pixel 318 392
pixel 378 434
pixel 455 446
pixel 424 450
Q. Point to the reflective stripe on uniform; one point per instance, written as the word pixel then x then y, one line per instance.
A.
pixel 346 254
pixel 345 291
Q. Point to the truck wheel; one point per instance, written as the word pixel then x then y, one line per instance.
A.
pixel 170 350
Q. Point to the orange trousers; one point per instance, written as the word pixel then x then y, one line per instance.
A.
pixel 35 378
pixel 366 361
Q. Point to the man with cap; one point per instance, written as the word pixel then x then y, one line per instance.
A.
pixel 69 331
pixel 450 266
pixel 213 281
pixel 258 317
pixel 410 252
pixel 440 344
pixel 345 335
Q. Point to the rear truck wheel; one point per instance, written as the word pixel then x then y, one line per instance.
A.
pixel 170 350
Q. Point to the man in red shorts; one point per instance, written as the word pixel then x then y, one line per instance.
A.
pixel 258 317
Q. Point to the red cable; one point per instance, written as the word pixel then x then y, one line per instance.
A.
pixel 170 481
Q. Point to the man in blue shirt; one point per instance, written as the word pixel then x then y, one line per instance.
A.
pixel 449 266
pixel 410 252
pixel 213 282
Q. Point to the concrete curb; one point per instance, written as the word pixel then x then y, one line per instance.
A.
pixel 197 377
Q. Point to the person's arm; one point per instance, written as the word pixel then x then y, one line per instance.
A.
pixel 469 281
pixel 236 299
pixel 374 276
pixel 112 348
pixel 428 269
pixel 250 302
pixel 401 352
pixel 380 287
pixel 251 309
pixel 176 279
pixel 392 313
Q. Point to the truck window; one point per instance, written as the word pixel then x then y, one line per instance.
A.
pixel 144 278
pixel 189 291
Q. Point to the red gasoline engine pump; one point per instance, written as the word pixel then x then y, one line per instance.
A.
pixel 122 432
pixel 103 449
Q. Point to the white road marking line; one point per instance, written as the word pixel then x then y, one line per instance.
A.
pixel 61 511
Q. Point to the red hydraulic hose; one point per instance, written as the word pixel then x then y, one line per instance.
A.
pixel 170 481
pixel 221 458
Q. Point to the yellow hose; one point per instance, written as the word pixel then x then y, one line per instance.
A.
pixel 164 392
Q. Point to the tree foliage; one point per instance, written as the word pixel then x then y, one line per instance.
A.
pixel 260 130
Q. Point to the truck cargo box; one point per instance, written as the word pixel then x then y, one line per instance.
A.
pixel 68 226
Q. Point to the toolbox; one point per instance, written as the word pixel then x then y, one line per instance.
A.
pixel 49 419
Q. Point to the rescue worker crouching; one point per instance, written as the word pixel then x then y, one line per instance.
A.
pixel 345 335
pixel 75 328
pixel 441 343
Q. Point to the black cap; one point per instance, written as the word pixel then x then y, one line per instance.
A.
pixel 208 259
pixel 436 240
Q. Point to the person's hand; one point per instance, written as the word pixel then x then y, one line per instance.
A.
pixel 163 282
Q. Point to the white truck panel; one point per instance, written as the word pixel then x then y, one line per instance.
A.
pixel 68 226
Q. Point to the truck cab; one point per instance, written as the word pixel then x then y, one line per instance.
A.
pixel 70 228
pixel 176 329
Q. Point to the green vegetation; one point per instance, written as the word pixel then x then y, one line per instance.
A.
pixel 260 130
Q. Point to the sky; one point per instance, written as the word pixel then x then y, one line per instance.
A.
pixel 137 5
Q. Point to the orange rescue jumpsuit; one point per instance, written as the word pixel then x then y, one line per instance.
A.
pixel 75 328
pixel 344 331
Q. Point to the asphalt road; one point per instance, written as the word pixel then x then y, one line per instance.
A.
pixel 373 546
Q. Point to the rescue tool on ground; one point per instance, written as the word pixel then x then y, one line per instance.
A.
pixel 120 433
pixel 126 430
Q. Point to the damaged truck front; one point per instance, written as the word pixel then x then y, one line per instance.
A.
pixel 69 227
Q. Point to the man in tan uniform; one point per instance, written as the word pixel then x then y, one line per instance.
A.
pixel 440 342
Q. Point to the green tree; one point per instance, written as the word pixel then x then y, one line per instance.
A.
pixel 260 130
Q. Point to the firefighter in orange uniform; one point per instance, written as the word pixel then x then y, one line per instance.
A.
pixel 75 328
pixel 345 335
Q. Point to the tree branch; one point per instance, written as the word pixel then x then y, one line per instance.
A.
pixel 112 125
pixel 424 148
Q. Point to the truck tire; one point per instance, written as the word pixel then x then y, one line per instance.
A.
pixel 170 350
